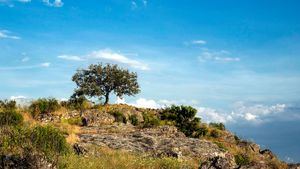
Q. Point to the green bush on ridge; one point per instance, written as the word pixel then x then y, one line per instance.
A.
pixel 10 118
pixel 185 120
pixel 134 120
pixel 43 106
pixel 119 117
pixel 8 106
pixel 150 120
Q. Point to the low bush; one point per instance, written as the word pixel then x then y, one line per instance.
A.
pixel 13 140
pixel 77 103
pixel 8 106
pixel 200 131
pixel 10 118
pixel 74 121
pixel 49 140
pixel 236 138
pixel 119 117
pixel 150 120
pixel 215 133
pixel 241 159
pixel 221 146
pixel 43 106
pixel 185 120
pixel 134 120
pixel 219 126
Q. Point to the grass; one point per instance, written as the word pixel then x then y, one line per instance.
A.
pixel 111 159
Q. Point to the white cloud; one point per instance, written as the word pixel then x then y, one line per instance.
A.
pixel 17 97
pixel 199 42
pixel 70 57
pixel 212 115
pixel 24 1
pixel 120 100
pixel 5 34
pixel 258 113
pixel 217 56
pixel 54 3
pixel 41 65
pixel 242 113
pixel 144 103
pixel 110 55
pixel 250 116
pixel 46 64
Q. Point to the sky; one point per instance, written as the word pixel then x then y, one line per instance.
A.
pixel 237 62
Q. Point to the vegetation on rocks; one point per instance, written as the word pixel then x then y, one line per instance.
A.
pixel 81 134
pixel 43 106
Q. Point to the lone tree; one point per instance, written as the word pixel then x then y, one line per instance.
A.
pixel 100 80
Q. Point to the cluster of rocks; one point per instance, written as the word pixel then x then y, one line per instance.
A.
pixel 101 130
pixel 158 142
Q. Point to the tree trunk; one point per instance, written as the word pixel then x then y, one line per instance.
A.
pixel 106 98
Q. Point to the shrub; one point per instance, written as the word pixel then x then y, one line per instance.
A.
pixel 134 120
pixel 219 126
pixel 74 121
pixel 13 140
pixel 77 103
pixel 10 118
pixel 150 120
pixel 185 120
pixel 241 159
pixel 221 146
pixel 8 106
pixel 119 117
pixel 236 138
pixel 201 131
pixel 215 133
pixel 43 106
pixel 49 140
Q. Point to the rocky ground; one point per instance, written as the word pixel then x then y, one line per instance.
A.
pixel 103 131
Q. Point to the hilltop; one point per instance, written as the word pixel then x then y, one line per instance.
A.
pixel 123 136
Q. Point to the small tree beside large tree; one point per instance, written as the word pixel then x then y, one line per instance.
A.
pixel 101 80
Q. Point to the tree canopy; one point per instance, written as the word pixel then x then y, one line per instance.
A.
pixel 100 80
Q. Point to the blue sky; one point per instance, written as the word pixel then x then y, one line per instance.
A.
pixel 237 62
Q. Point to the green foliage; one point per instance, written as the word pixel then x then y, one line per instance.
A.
pixel 134 120
pixel 184 119
pixel 221 146
pixel 49 140
pixel 236 138
pixel 43 106
pixel 200 131
pixel 150 120
pixel 77 102
pixel 219 126
pixel 13 140
pixel 74 121
pixel 10 118
pixel 119 117
pixel 242 159
pixel 100 80
pixel 8 106
pixel 215 133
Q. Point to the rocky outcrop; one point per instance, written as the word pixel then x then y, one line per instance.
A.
pixel 161 141
pixel 218 163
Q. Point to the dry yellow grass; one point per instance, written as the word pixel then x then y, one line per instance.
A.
pixel 111 159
